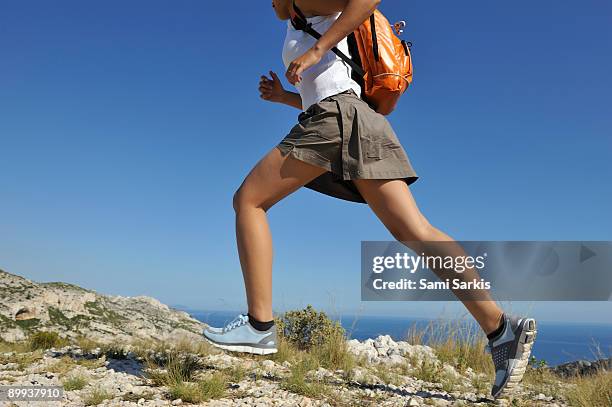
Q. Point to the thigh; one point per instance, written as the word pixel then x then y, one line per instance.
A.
pixel 394 205
pixel 274 177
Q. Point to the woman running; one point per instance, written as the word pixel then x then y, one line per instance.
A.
pixel 343 148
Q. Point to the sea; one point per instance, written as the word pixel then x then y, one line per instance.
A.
pixel 556 342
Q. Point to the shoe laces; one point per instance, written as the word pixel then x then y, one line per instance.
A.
pixel 240 320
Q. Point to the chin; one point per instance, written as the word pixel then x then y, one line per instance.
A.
pixel 280 11
pixel 281 16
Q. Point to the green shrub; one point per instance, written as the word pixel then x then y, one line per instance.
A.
pixel 595 390
pixel 307 328
pixel 45 340
pixel 61 366
pixel 28 324
pixel 86 344
pixel 177 368
pixel 76 382
pixel 286 351
pixel 540 379
pixel 97 396
pixel 296 381
pixel 18 347
pixel 213 387
pixel 457 342
pixel 480 383
pixel 235 374
pixel 427 370
pixel 333 352
pixel 114 350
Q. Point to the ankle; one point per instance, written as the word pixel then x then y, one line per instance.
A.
pixel 501 325
pixel 260 325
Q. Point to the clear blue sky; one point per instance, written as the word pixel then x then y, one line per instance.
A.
pixel 126 127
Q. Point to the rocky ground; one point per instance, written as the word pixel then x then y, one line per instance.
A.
pixel 135 351
pixel 125 379
pixel 73 311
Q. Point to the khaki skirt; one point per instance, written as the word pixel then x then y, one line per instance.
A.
pixel 344 135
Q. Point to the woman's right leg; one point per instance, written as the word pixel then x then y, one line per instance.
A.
pixel 274 177
pixel 510 338
pixel 393 203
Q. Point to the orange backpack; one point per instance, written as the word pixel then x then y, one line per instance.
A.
pixel 381 62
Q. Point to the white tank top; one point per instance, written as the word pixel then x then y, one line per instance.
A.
pixel 330 75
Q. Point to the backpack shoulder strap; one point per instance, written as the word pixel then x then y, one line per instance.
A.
pixel 299 22
pixel 297 11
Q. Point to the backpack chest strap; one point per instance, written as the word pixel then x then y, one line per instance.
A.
pixel 299 22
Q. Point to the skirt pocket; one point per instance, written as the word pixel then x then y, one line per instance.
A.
pixel 321 119
pixel 373 149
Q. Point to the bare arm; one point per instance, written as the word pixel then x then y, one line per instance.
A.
pixel 271 89
pixel 292 99
pixel 354 12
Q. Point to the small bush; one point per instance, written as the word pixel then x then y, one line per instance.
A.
pixel 87 345
pixel 186 345
pixel 333 352
pixel 150 347
pixel 114 351
pixel 480 383
pixel 539 378
pixel 24 360
pixel 18 352
pixel 296 381
pixel 188 392
pixel 182 367
pixel 307 328
pixel 212 387
pixel 428 370
pixel 76 382
pixel 449 382
pixel 386 374
pixel 589 391
pixel 176 368
pixel 97 396
pixel 286 351
pixel 28 324
pixel 144 348
pixel 235 374
pixel 61 366
pixel 18 347
pixel 45 340
pixel 459 343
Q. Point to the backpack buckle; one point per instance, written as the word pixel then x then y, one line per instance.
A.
pixel 399 27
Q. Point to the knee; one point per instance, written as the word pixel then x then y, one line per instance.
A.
pixel 243 200
pixel 239 201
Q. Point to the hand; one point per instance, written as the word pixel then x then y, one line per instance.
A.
pixel 271 89
pixel 300 64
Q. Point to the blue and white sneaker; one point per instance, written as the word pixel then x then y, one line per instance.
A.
pixel 510 351
pixel 240 336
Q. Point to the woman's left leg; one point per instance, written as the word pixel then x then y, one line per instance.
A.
pixel 392 202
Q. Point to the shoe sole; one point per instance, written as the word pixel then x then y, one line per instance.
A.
pixel 243 348
pixel 527 339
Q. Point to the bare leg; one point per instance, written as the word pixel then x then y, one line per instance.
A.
pixel 273 178
pixel 392 202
